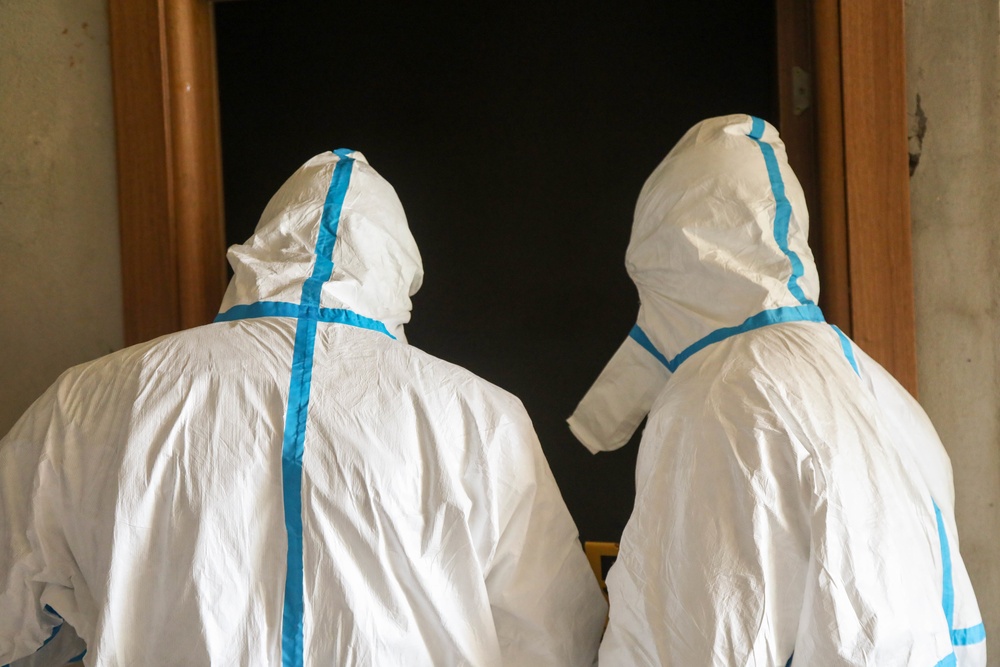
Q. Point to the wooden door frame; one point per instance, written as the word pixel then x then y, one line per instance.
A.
pixel 170 166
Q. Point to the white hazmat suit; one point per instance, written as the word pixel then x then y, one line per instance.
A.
pixel 293 484
pixel 791 497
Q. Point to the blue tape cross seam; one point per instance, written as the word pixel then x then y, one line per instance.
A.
pixel 307 313
pixel 298 311
pixel 292 632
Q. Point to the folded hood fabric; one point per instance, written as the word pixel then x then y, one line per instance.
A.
pixel 333 240
pixel 719 245
pixel 791 497
pixel 293 484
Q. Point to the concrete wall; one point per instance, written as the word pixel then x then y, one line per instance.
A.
pixel 60 278
pixel 953 77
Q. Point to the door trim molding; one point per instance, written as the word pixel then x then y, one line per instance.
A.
pixel 170 170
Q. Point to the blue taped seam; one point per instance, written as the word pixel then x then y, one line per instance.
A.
pixel 298 311
pixel 967 636
pixel 961 636
pixel 845 344
pixel 297 412
pixel 782 210
pixel 639 336
pixel 55 631
pixel 948 661
pixel 948 590
pixel 326 238
pixel 805 313
pixel 291 474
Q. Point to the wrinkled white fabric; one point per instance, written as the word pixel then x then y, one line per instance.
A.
pixel 619 400
pixel 791 497
pixel 144 496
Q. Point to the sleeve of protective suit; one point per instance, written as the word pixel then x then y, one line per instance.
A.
pixel 920 441
pixel 547 607
pixel 64 648
pixel 697 554
pixel 25 623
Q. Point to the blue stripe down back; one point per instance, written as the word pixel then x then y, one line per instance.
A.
pixel 308 314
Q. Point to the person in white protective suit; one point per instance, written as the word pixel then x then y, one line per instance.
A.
pixel 293 484
pixel 791 497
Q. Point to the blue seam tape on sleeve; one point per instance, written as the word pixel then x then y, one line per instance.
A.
pixel 949 660
pixel 968 636
pixel 639 336
pixel 962 636
pixel 845 345
pixel 948 590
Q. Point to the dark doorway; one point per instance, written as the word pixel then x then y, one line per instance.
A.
pixel 518 136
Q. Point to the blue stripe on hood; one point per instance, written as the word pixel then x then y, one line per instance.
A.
pixel 782 210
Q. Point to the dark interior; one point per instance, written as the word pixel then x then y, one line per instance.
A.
pixel 518 136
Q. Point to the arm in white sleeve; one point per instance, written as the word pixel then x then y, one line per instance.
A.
pixel 63 648
pixel 31 633
pixel 547 606
pixel 25 623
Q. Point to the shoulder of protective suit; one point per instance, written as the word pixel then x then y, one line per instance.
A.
pixel 461 381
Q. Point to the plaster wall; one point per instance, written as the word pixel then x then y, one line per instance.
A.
pixel 953 81
pixel 60 301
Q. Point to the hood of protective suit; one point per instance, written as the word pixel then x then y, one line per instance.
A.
pixel 718 246
pixel 343 245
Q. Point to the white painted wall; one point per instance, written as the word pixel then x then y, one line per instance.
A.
pixel 60 276
pixel 952 54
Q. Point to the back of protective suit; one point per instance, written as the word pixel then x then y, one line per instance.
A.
pixel 793 503
pixel 293 484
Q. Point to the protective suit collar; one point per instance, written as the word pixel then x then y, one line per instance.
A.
pixel 719 246
pixel 358 261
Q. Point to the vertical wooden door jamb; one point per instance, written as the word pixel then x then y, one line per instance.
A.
pixel 864 244
pixel 797 121
pixel 835 277
pixel 169 164
pixel 876 175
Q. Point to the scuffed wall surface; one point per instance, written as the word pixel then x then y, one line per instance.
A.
pixel 59 264
pixel 953 81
